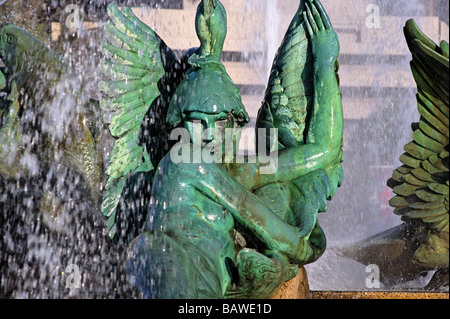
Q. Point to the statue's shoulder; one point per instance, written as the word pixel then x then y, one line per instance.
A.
pixel 177 161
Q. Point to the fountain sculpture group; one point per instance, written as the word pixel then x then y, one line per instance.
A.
pixel 196 218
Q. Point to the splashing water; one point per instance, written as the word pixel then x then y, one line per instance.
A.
pixel 72 257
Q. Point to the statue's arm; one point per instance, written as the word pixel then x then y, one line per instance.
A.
pixel 214 182
pixel 325 133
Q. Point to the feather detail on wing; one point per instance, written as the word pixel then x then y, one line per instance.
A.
pixel 137 62
pixel 290 91
pixel 421 185
pixel 287 106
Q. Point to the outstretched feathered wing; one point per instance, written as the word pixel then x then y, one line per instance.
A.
pixel 287 106
pixel 143 75
pixel 421 185
pixel 290 91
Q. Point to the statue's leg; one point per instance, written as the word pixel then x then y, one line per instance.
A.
pixel 160 268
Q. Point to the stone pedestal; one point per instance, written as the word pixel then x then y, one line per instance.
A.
pixel 297 288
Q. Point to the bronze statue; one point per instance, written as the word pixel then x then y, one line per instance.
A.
pixel 51 170
pixel 421 184
pixel 203 224
pixel 38 82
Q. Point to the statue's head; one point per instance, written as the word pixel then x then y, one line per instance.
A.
pixel 12 51
pixel 25 57
pixel 207 95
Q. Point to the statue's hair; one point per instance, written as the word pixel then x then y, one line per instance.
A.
pixel 206 86
pixel 209 90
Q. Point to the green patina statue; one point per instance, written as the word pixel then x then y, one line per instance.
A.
pixel 421 184
pixel 200 220
pixel 51 172
pixel 46 123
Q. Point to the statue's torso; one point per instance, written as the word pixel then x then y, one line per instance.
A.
pixel 201 226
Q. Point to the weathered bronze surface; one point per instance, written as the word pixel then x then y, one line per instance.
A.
pixel 217 228
pixel 421 185
pixel 46 121
pixel 198 220
pixel 51 169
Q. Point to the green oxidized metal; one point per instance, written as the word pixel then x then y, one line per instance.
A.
pixel 187 218
pixel 421 184
pixel 36 79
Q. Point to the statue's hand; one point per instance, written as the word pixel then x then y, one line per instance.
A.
pixel 325 43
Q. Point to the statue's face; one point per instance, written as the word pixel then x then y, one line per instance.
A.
pixel 210 130
pixel 10 46
pixel 18 51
